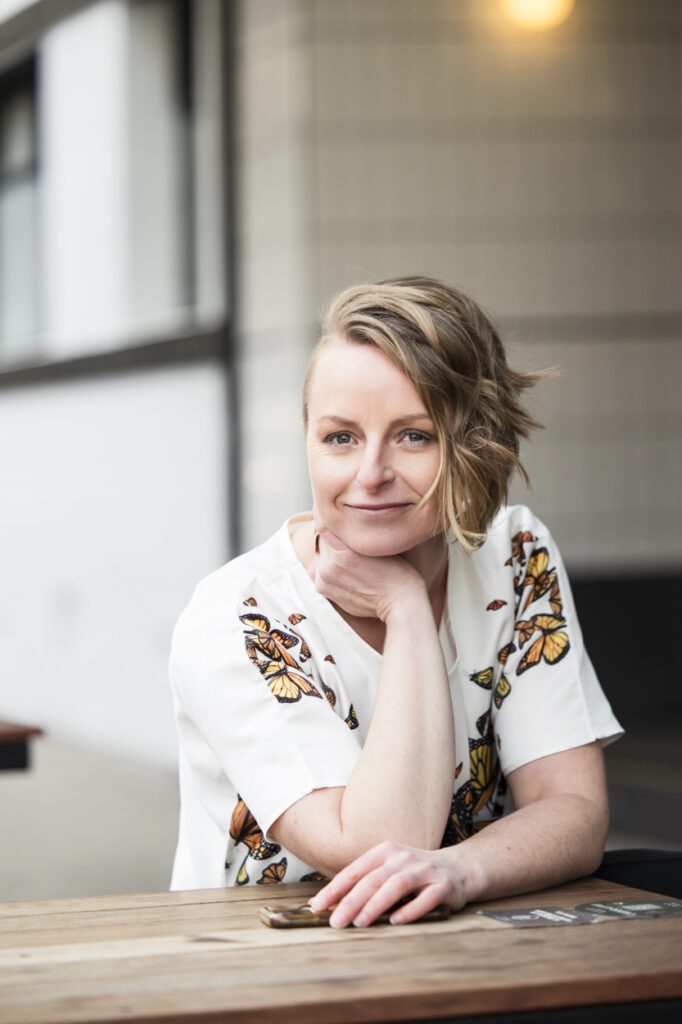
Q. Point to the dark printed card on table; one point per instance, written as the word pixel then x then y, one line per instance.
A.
pixel 542 917
pixel 633 908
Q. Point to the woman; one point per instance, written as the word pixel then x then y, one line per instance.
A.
pixel 361 695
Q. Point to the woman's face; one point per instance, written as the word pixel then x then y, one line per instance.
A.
pixel 372 450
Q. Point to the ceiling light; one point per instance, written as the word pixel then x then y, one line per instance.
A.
pixel 537 15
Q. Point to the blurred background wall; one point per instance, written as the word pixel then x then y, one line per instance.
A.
pixel 183 186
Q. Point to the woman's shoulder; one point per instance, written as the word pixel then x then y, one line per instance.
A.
pixel 512 519
pixel 265 563
pixel 514 526
pixel 244 585
pixel 513 534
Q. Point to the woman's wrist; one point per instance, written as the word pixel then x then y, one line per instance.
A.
pixel 466 871
pixel 408 603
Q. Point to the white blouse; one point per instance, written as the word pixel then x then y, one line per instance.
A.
pixel 274 693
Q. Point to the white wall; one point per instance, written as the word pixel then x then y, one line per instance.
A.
pixel 607 471
pixel 113 507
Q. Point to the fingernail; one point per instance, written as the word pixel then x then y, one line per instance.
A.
pixel 360 921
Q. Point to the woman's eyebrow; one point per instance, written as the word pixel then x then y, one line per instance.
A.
pixel 342 421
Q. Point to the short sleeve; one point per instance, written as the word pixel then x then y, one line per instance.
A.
pixel 258 707
pixel 548 698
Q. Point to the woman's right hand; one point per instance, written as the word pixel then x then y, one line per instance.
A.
pixel 388 872
pixel 364 586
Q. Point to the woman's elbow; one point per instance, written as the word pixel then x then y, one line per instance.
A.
pixel 349 849
pixel 597 832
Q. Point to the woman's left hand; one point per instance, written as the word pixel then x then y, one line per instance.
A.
pixel 373 882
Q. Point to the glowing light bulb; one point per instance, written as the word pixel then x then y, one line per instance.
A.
pixel 537 15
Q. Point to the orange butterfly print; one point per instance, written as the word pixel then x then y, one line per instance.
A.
pixel 287 684
pixel 504 652
pixel 273 643
pixel 482 766
pixel 551 646
pixel 295 618
pixel 495 605
pixel 459 825
pixel 525 629
pixel 518 540
pixel 538 579
pixel 281 671
pixel 329 694
pixel 314 876
pixel 254 654
pixel 502 691
pixel 285 640
pixel 329 658
pixel 245 829
pixel 484 678
pixel 479 790
pixel 251 601
pixel 273 873
pixel 484 724
pixel 555 602
pixel 352 719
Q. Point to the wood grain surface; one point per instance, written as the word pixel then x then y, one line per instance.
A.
pixel 12 732
pixel 205 957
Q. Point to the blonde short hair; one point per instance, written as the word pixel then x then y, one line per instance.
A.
pixel 451 351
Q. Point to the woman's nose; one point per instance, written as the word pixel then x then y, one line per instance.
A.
pixel 375 468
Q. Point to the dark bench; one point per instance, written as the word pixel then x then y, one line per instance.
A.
pixel 14 744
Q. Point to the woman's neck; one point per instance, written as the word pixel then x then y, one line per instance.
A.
pixel 430 559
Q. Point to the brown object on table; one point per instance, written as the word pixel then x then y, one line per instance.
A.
pixel 14 740
pixel 204 957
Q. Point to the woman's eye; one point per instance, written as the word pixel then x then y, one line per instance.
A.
pixel 417 437
pixel 339 439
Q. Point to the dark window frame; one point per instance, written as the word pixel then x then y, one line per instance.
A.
pixel 19 78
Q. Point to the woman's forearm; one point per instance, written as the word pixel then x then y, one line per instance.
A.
pixel 545 843
pixel 401 787
pixel 555 836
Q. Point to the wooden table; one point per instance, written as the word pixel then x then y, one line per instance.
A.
pixel 205 957
pixel 14 741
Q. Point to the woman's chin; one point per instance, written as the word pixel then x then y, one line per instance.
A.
pixel 378 542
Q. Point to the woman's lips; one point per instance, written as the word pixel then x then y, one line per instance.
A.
pixel 379 511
